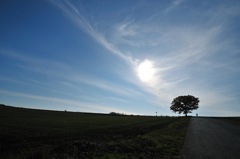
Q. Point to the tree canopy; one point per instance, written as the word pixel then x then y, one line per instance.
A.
pixel 184 104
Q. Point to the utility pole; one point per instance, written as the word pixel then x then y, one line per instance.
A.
pixel 156 113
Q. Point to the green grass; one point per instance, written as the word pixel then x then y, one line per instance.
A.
pixel 234 120
pixel 29 133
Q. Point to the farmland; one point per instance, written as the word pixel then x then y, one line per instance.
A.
pixel 233 120
pixel 29 133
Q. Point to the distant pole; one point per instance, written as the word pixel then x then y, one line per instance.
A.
pixel 156 113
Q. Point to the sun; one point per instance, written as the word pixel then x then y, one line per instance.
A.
pixel 145 70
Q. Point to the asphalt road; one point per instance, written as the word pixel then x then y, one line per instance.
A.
pixel 209 138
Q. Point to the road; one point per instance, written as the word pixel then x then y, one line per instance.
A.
pixel 209 138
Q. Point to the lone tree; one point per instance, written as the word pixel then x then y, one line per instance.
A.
pixel 184 104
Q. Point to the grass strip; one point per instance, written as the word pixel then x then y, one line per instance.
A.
pixel 163 143
pixel 233 120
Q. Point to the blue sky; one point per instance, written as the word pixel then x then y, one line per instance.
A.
pixel 130 57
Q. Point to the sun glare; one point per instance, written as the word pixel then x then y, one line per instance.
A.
pixel 145 70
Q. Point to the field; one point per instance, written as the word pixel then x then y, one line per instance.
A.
pixel 233 120
pixel 29 133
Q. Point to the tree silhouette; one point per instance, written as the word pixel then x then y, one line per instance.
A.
pixel 184 104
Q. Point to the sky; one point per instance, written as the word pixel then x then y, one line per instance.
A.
pixel 131 57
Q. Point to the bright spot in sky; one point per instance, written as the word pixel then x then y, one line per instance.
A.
pixel 145 70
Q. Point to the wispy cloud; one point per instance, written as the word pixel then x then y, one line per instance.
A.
pixel 172 49
pixel 118 99
pixel 37 82
pixel 65 101
pixel 124 30
pixel 174 4
pixel 36 64
pixel 183 57
pixel 187 46
pixel 76 16
pixel 107 85
pixel 11 80
pixel 63 73
pixel 66 84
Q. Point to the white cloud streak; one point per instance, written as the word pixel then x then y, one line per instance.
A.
pixel 174 4
pixel 64 101
pixel 75 15
pixel 186 52
pixel 64 72
pixel 172 50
